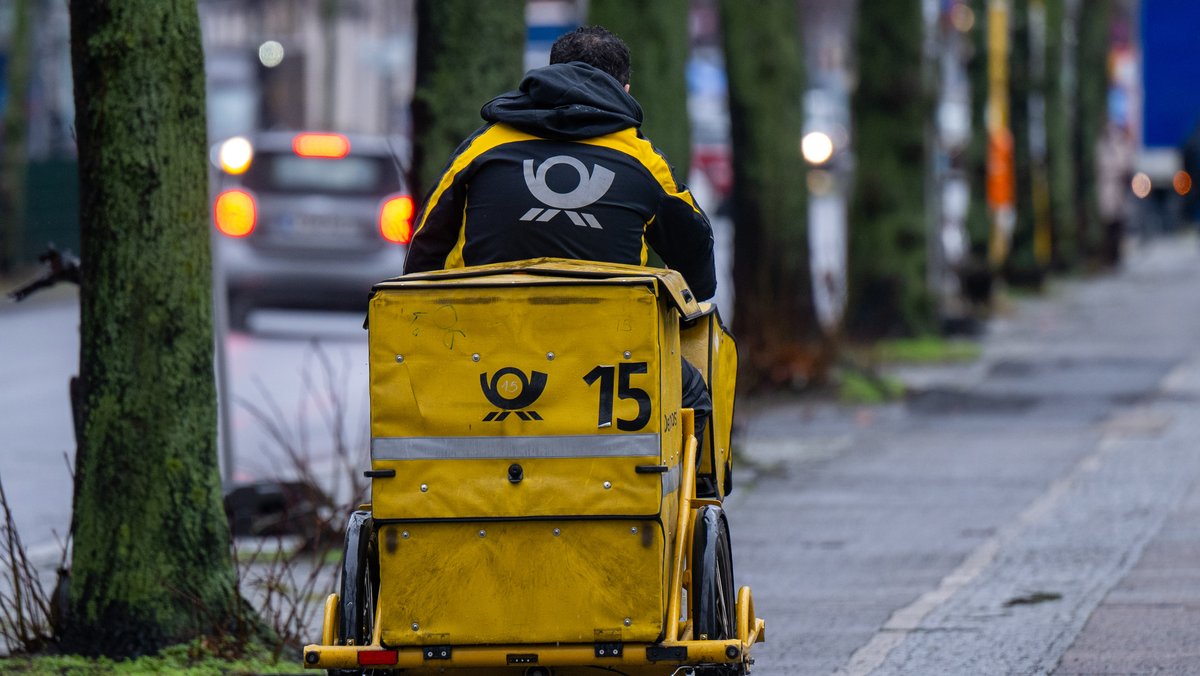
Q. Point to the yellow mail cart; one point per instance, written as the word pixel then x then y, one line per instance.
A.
pixel 539 504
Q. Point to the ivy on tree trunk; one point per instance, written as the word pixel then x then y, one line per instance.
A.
pixel 775 321
pixel 888 230
pixel 467 53
pixel 151 564
pixel 657 35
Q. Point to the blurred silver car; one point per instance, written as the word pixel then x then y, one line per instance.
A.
pixel 307 220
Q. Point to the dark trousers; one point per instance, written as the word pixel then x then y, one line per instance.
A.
pixel 696 397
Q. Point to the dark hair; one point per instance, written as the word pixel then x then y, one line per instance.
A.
pixel 595 46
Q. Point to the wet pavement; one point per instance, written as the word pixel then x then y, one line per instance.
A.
pixel 1027 512
pixel 1032 511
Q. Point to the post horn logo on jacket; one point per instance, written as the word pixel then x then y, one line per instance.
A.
pixel 589 191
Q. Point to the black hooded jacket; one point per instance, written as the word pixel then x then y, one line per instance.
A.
pixel 562 170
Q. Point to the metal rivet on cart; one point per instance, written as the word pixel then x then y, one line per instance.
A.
pixel 404 535
pixel 475 357
pixel 549 356
pixel 399 359
pixel 416 626
pixel 628 622
pixel 424 488
pixel 633 531
pixel 627 354
pixel 557 532
pixel 483 533
pixel 607 485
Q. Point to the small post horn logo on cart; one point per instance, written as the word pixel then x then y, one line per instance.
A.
pixel 511 391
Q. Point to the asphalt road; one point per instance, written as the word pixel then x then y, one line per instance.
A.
pixel 1030 512
pixel 297 393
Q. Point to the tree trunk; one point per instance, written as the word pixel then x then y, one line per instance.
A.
pixel 467 53
pixel 150 564
pixel 890 109
pixel 977 274
pixel 776 321
pixel 1060 112
pixel 1021 267
pixel 16 139
pixel 657 35
pixel 1092 98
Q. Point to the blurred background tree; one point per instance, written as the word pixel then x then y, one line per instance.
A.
pixel 890 108
pixel 977 275
pixel 467 53
pixel 1025 88
pixel 15 138
pixel 657 35
pixel 150 562
pixel 1060 116
pixel 1094 25
pixel 775 322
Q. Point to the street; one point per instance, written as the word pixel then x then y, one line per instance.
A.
pixel 297 389
pixel 1033 511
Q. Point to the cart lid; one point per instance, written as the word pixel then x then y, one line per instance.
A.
pixel 535 271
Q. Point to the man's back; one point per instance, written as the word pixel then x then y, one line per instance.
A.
pixel 561 170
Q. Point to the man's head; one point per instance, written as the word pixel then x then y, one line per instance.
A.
pixel 595 46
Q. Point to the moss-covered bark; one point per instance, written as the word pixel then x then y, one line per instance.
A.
pixel 1094 24
pixel 1029 259
pixel 16 138
pixel 1020 267
pixel 151 562
pixel 888 230
pixel 467 52
pixel 657 35
pixel 775 321
pixel 1060 115
pixel 976 273
pixel 978 225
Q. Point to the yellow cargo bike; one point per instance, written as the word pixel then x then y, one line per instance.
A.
pixel 538 506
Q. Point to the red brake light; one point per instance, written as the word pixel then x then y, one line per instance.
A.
pixel 378 657
pixel 395 219
pixel 328 146
pixel 235 213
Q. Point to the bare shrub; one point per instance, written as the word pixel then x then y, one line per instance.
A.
pixel 287 587
pixel 317 503
pixel 288 574
pixel 26 617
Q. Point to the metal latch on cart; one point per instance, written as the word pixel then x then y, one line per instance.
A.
pixel 438 652
pixel 658 653
pixel 609 650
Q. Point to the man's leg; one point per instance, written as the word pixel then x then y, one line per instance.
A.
pixel 697 398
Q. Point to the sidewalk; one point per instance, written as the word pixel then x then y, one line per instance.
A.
pixel 1033 511
pixel 1065 325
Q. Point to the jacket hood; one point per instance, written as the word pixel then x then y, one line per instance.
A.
pixel 566 101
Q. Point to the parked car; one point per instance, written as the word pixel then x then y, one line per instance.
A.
pixel 307 220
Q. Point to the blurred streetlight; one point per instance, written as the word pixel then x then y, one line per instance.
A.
pixel 1141 185
pixel 235 155
pixel 817 147
pixel 270 53
pixel 1182 182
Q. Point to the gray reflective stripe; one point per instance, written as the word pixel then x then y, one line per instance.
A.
pixel 565 446
pixel 671 480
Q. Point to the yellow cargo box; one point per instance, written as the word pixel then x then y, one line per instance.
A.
pixel 708 345
pixel 526 449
